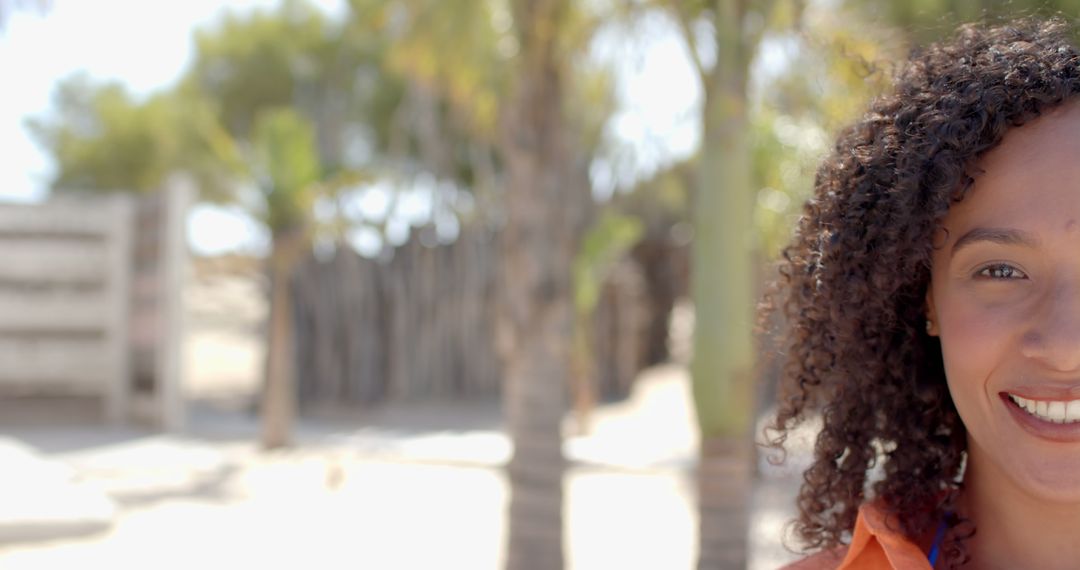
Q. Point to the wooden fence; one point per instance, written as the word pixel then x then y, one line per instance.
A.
pixel 71 273
pixel 422 325
pixel 63 299
pixel 418 326
pixel 160 267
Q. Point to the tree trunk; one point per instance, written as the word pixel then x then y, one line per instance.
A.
pixel 725 483
pixel 279 395
pixel 547 206
pixel 722 287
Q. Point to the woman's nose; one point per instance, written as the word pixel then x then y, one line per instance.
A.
pixel 1054 335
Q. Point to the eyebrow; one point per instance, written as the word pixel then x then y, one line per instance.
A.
pixel 1004 236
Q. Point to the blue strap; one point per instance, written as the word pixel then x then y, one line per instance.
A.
pixel 936 548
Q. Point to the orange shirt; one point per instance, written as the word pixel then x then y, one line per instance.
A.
pixel 874 546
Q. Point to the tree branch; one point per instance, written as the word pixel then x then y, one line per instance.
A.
pixel 683 19
pixel 766 7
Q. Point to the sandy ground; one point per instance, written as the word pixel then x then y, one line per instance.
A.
pixel 404 486
pixel 223 352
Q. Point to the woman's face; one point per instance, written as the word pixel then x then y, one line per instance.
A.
pixel 1005 302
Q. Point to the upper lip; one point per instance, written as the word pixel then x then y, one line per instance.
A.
pixel 1047 392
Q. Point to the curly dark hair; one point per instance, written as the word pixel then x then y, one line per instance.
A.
pixel 853 281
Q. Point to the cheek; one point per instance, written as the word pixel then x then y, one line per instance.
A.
pixel 975 340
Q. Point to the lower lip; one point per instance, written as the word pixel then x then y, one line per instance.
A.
pixel 1066 433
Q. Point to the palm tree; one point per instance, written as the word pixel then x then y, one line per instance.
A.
pixel 722 274
pixel 548 206
pixel 287 169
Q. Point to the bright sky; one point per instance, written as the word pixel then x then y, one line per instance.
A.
pixel 146 46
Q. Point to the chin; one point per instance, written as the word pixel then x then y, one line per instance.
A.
pixel 1051 483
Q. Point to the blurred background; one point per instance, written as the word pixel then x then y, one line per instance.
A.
pixel 412 283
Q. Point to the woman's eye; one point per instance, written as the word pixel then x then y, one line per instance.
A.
pixel 1000 271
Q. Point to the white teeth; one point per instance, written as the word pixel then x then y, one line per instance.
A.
pixel 1056 411
pixel 1061 412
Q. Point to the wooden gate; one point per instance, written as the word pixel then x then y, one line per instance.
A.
pixel 90 299
pixel 64 299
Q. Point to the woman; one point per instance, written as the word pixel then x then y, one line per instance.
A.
pixel 933 297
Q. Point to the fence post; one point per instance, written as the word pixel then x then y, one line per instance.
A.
pixel 173 273
pixel 118 392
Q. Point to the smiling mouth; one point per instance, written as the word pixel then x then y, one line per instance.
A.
pixel 1055 411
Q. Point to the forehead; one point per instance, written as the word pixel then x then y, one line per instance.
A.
pixel 1030 179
